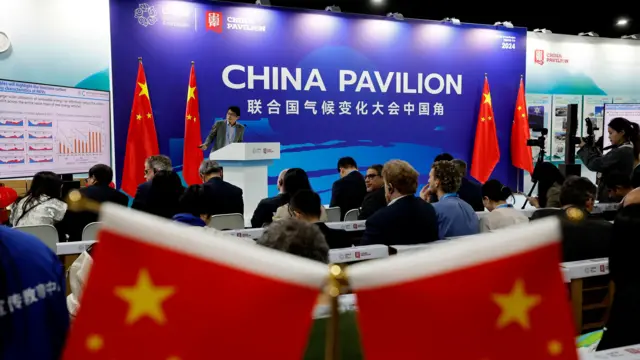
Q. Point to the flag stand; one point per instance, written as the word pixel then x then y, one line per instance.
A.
pixel 332 346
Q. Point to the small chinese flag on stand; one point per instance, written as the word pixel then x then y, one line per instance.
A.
pixel 486 152
pixel 142 140
pixel 162 290
pixel 498 296
pixel 193 156
pixel 520 152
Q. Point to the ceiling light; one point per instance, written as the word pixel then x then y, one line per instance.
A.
pixel 377 2
pixel 453 21
pixel 263 2
pixel 622 22
pixel 396 16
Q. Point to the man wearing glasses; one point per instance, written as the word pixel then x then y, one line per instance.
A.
pixel 152 165
pixel 225 132
pixel 374 200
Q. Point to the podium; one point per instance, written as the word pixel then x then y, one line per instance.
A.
pixel 245 165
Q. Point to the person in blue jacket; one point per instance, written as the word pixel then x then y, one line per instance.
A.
pixel 33 312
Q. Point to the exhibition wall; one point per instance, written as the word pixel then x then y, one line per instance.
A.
pixel 324 85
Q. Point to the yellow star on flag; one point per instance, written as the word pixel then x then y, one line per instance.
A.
pixel 192 93
pixel 487 98
pixel 188 117
pixel 144 298
pixel 523 115
pixel 148 115
pixel 138 117
pixel 515 306
pixel 94 342
pixel 489 117
pixel 482 119
pixel 519 108
pixel 144 90
pixel 194 119
pixel 554 347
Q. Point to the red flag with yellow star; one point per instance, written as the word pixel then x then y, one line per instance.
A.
pixel 163 290
pixel 486 153
pixel 498 296
pixel 142 140
pixel 193 156
pixel 520 152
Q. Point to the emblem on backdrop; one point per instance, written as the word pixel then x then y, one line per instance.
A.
pixel 146 15
pixel 214 21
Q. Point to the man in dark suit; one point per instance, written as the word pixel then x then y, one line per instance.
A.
pixel 263 214
pixel 152 165
pixel 470 191
pixel 349 191
pixel 375 199
pixel 98 190
pixel 407 219
pixel 225 132
pixel 223 198
pixel 306 205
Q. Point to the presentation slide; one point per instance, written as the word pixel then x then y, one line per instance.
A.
pixel 630 112
pixel 60 129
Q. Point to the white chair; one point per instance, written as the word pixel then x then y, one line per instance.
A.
pixel 333 214
pixel 46 233
pixel 352 215
pixel 227 222
pixel 90 232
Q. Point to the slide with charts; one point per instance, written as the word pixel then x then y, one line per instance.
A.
pixel 630 112
pixel 60 129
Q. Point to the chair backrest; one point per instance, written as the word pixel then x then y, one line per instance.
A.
pixel 352 215
pixel 227 222
pixel 90 232
pixel 333 214
pixel 46 233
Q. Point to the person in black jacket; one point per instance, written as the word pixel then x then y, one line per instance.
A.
pixel 263 214
pixel 375 199
pixel 98 190
pixel 407 219
pixel 224 198
pixel 470 191
pixel 152 165
pixel 306 205
pixel 349 191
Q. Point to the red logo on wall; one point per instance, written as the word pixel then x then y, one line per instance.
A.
pixel 214 21
pixel 539 57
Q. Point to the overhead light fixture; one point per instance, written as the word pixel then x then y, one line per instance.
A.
pixel 263 2
pixel 507 24
pixel 377 2
pixel 631 37
pixel 622 22
pixel 453 21
pixel 396 16
pixel 544 31
pixel 590 33
pixel 333 8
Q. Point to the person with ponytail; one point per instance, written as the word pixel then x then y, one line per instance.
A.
pixel 623 156
pixel 501 214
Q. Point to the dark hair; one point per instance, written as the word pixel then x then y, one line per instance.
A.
pixel 235 110
pixel 102 173
pixel 193 201
pixel 295 180
pixel 495 191
pixel 631 132
pixel 164 194
pixel 306 202
pixel 346 163
pixel 448 174
pixel 461 165
pixel 443 157
pixel 547 175
pixel 617 179
pixel 377 168
pixel 624 248
pixel 44 183
pixel 577 191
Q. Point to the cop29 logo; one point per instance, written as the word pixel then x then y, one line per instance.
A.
pixel 146 14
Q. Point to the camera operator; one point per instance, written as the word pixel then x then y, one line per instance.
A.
pixel 625 140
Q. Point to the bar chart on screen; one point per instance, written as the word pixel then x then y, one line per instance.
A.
pixel 80 139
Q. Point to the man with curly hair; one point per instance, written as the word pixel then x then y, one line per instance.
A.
pixel 455 216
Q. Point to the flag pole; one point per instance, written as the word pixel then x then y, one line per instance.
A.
pixel 336 278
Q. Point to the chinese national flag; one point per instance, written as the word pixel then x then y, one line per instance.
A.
pixel 162 290
pixel 193 156
pixel 498 296
pixel 520 152
pixel 142 140
pixel 486 153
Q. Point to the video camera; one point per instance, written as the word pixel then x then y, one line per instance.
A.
pixel 541 140
pixel 591 127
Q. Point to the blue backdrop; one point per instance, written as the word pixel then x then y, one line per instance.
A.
pixel 339 84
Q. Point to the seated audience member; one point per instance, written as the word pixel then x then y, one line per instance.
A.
pixel 635 175
pixel 194 209
pixel 263 214
pixel 349 191
pixel 578 192
pixel 455 216
pixel 32 326
pixel 306 206
pixel 441 157
pixel 550 181
pixel 470 190
pixel 621 328
pixel 407 220
pixel 295 180
pixel 618 185
pixel 164 194
pixel 42 205
pixel 296 237
pixel 152 165
pixel 98 190
pixel 374 200
pixel 223 198
pixel 501 214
